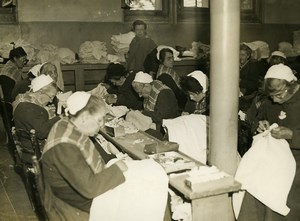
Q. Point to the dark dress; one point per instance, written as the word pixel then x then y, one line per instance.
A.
pixel 251 208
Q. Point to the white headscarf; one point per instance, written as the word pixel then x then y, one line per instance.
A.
pixel 201 78
pixel 281 71
pixel 142 77
pixel 77 101
pixel 40 82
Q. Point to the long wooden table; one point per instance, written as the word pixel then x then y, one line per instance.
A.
pixel 210 205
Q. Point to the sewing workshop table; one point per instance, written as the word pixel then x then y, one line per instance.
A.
pixel 210 205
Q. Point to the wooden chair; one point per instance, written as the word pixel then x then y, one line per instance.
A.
pixel 6 113
pixel 29 167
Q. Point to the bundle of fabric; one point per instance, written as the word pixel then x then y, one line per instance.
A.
pixel 47 52
pixel 120 44
pixel 93 52
pixel 288 49
pixel 5 48
pixel 267 172
pixel 139 120
pixel 66 56
pixel 198 50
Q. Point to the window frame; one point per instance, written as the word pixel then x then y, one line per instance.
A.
pixel 202 15
pixel 150 16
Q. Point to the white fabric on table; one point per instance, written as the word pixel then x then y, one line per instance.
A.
pixel 143 196
pixel 190 132
pixel 266 171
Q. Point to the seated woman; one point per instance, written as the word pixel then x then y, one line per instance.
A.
pixel 30 110
pixel 83 187
pixel 167 75
pixel 195 85
pixel 120 90
pixel 12 71
pixel 159 100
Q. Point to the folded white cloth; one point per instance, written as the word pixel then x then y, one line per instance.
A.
pixel 143 196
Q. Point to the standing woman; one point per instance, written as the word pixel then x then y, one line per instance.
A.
pixel 140 46
pixel 282 108
pixel 12 71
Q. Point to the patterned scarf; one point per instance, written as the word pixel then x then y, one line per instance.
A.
pixel 65 132
pixel 12 71
pixel 26 97
pixel 201 106
pixel 170 71
pixel 157 87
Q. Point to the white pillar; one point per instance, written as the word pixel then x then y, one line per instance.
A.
pixel 224 84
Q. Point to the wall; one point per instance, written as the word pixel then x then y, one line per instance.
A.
pixel 69 26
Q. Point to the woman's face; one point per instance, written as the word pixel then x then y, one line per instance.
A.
pixel 143 90
pixel 281 92
pixel 244 57
pixel 197 97
pixel 46 95
pixel 91 123
pixel 169 60
pixel 21 61
pixel 140 31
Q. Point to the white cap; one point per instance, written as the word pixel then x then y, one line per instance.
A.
pixel 142 77
pixel 201 78
pixel 281 71
pixel 77 101
pixel 40 82
pixel 278 53
pixel 35 70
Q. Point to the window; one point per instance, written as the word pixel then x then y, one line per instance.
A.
pixel 8 12
pixel 192 11
pixel 198 11
pixel 146 10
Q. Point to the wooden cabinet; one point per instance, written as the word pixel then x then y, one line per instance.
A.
pixel 78 77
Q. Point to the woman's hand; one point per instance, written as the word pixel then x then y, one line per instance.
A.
pixel 111 98
pixel 282 133
pixel 263 125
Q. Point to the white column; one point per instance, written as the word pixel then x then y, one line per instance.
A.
pixel 224 84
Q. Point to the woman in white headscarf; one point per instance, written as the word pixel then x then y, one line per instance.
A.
pixel 81 185
pixel 30 109
pixel 282 108
pixel 195 86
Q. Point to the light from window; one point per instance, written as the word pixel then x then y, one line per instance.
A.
pixel 149 5
pixel 196 3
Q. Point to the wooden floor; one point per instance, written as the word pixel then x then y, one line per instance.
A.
pixel 14 203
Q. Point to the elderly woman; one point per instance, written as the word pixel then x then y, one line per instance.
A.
pixel 30 110
pixel 159 100
pixel 12 71
pixel 195 86
pixel 282 108
pixel 168 76
pixel 140 46
pixel 78 183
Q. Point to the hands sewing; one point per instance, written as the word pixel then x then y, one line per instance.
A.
pixel 280 132
pixel 111 98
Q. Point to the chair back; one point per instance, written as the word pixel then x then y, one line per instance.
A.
pixel 30 167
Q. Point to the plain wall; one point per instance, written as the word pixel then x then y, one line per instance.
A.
pixel 71 23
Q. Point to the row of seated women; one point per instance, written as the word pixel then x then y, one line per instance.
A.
pixel 81 181
pixel 69 153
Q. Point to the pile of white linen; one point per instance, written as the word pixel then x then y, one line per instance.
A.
pixel 120 44
pixel 93 52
